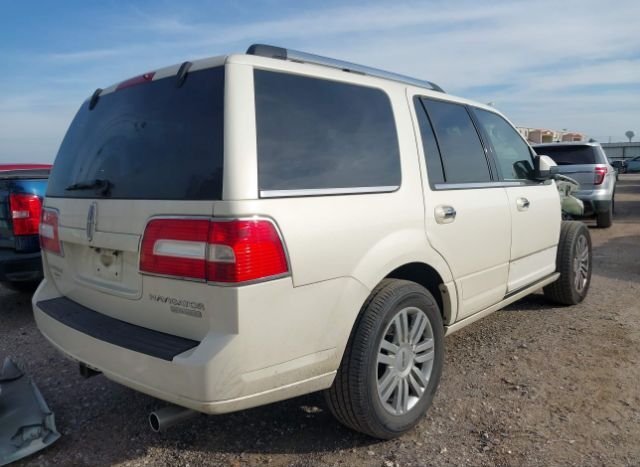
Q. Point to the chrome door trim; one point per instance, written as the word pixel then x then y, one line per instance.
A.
pixel 326 191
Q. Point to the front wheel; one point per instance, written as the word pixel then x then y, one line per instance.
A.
pixel 392 364
pixel 574 263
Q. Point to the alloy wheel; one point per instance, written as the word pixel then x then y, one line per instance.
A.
pixel 405 360
pixel 581 264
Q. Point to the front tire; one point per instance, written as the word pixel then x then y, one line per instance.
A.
pixel 393 362
pixel 574 263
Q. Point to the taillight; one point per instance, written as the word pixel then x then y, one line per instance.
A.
pixel 228 251
pixel 25 213
pixel 49 236
pixel 599 173
pixel 175 247
pixel 244 250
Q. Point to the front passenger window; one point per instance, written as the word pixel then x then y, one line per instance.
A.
pixel 511 152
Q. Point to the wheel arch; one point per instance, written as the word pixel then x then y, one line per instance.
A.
pixel 428 277
pixel 407 254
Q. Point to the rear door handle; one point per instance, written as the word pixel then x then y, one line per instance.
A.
pixel 445 214
pixel 523 204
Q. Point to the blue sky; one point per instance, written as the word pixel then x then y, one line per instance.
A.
pixel 573 64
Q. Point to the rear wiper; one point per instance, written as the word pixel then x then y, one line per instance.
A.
pixel 102 184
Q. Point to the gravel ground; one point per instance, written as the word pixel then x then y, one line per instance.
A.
pixel 528 385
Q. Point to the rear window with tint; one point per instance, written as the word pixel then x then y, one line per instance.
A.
pixel 569 155
pixel 149 141
pixel 315 134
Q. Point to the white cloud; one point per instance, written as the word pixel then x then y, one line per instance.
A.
pixel 571 64
pixel 89 55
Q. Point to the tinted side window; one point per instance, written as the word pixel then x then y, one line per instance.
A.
pixel 462 153
pixel 316 134
pixel 429 145
pixel 569 155
pixel 511 152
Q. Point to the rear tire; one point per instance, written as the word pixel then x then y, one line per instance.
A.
pixel 605 219
pixel 392 364
pixel 574 263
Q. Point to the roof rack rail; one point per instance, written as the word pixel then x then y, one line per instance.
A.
pixel 270 51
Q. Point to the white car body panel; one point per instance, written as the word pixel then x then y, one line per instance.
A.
pixel 475 245
pixel 535 233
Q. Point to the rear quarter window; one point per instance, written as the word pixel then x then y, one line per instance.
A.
pixel 321 136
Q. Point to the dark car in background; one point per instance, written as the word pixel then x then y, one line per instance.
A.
pixel 620 166
pixel 587 164
pixel 22 188
pixel 633 165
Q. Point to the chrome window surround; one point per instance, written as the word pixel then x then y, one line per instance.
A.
pixel 496 184
pixel 327 191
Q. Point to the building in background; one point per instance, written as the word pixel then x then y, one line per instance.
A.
pixel 545 135
pixel 622 151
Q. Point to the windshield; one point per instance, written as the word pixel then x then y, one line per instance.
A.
pixel 569 155
pixel 153 140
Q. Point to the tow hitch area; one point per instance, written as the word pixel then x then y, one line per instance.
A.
pixel 26 423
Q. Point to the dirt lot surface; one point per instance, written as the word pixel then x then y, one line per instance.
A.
pixel 528 385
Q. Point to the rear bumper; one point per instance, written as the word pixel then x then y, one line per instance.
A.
pixel 20 267
pixel 113 331
pixel 223 372
pixel 182 382
pixel 592 207
pixel 595 201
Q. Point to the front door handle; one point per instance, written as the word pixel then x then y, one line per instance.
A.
pixel 523 204
pixel 445 214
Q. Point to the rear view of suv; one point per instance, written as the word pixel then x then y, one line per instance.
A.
pixel 239 230
pixel 588 164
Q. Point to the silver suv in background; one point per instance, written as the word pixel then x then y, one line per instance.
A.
pixel 586 163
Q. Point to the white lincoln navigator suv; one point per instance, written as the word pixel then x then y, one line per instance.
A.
pixel 238 230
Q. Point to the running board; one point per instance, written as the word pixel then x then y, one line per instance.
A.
pixel 509 299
